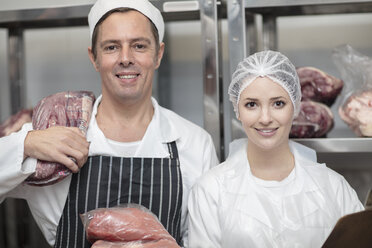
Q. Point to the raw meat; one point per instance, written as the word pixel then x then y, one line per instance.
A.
pixel 314 120
pixel 163 243
pixel 319 86
pixel 70 109
pixel 123 224
pixel 357 113
pixel 15 122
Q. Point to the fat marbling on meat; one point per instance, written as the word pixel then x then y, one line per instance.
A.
pixel 70 109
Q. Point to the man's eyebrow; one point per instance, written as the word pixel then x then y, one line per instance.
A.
pixel 147 40
pixel 105 42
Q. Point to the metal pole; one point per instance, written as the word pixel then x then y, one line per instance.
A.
pixel 16 69
pixel 212 62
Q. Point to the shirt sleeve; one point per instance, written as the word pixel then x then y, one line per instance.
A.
pixel 348 199
pixel 204 226
pixel 13 170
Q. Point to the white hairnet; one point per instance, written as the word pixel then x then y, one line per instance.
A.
pixel 271 64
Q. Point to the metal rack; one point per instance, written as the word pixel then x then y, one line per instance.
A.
pixel 17 21
pixel 242 41
pixel 208 12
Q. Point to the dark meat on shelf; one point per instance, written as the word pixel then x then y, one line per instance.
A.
pixel 70 109
pixel 357 113
pixel 314 120
pixel 319 86
pixel 15 122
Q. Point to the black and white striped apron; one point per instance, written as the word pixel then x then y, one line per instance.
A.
pixel 105 181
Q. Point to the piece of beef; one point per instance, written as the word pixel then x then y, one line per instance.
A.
pixel 70 109
pixel 314 120
pixel 319 86
pixel 163 243
pixel 357 113
pixel 124 225
pixel 15 122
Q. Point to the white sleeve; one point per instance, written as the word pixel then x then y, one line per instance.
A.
pixel 210 155
pixel 209 160
pixel 13 171
pixel 204 226
pixel 348 199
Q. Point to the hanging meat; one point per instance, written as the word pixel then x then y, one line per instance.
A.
pixel 357 113
pixel 314 120
pixel 128 224
pixel 15 122
pixel 70 109
pixel 319 86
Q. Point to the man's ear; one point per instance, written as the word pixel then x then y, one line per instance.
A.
pixel 92 59
pixel 160 55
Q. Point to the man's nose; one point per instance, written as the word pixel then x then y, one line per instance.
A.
pixel 126 56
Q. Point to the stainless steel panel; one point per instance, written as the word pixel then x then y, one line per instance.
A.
pixel 287 3
pixel 213 105
pixel 16 69
pixel 269 33
pixel 338 145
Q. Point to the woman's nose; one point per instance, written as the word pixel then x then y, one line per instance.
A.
pixel 265 117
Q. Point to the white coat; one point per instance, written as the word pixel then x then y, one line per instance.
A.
pixel 196 154
pixel 229 207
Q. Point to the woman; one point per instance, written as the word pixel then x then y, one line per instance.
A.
pixel 267 193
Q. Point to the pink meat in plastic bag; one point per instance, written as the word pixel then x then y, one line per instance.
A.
pixel 163 243
pixel 357 113
pixel 70 109
pixel 124 225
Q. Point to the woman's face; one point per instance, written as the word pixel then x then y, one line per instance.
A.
pixel 266 113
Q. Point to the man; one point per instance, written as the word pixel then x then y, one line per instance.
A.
pixel 138 152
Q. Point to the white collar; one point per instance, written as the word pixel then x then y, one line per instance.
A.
pixel 159 131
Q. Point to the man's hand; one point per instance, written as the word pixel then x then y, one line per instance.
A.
pixel 58 144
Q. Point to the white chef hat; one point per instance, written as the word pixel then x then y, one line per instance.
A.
pixel 101 7
pixel 271 64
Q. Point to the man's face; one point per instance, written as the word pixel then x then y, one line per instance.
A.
pixel 126 56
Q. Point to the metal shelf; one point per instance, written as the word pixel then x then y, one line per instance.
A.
pixel 243 41
pixel 307 7
pixel 77 15
pixel 338 145
pixel 209 13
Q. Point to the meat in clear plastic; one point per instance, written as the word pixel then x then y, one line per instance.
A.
pixel 129 223
pixel 15 122
pixel 69 109
pixel 162 243
pixel 314 120
pixel 356 105
pixel 318 85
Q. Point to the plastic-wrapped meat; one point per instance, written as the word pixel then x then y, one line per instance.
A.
pixel 15 122
pixel 319 86
pixel 163 243
pixel 123 225
pixel 70 109
pixel 314 120
pixel 357 113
